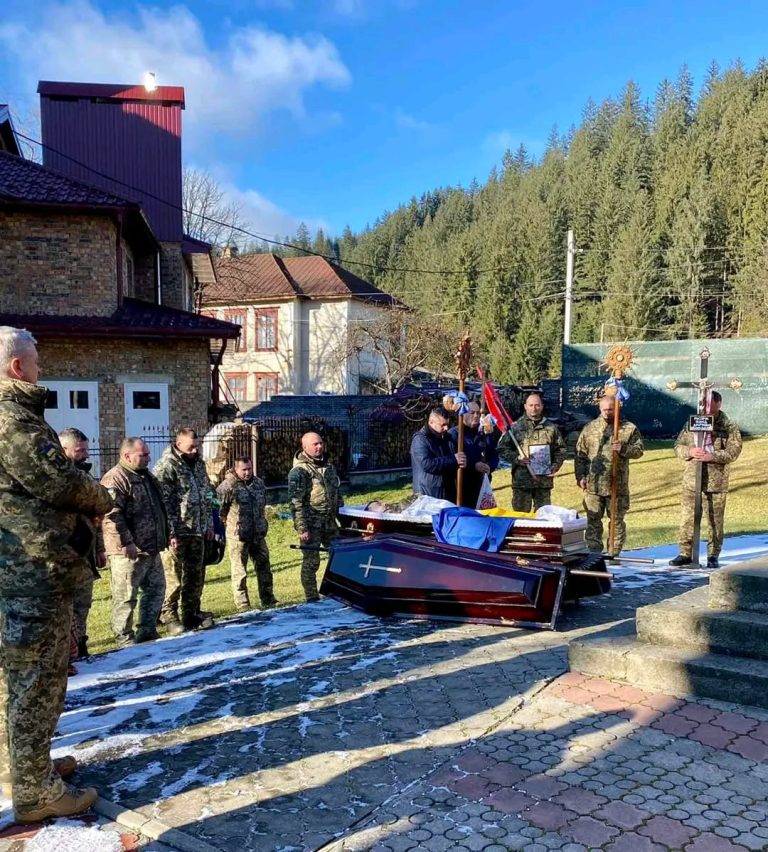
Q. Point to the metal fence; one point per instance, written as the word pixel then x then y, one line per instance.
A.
pixel 357 438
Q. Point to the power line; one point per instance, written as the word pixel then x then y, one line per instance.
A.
pixel 254 235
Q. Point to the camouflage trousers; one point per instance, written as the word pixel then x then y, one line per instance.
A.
pixel 81 606
pixel 34 650
pixel 139 580
pixel 184 578
pixel 596 507
pixel 240 552
pixel 321 533
pixel 713 508
pixel 523 499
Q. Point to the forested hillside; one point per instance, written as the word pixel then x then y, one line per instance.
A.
pixel 668 199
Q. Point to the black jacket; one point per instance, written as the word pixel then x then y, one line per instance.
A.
pixel 434 464
pixel 478 447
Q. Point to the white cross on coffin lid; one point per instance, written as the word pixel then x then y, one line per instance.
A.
pixel 369 566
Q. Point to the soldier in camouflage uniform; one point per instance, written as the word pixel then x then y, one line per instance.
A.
pixel 594 462
pixel 43 545
pixel 313 489
pixel 243 498
pixel 722 446
pixel 189 500
pixel 135 534
pixel 75 446
pixel 531 430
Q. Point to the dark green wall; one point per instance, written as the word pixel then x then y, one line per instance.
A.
pixel 658 411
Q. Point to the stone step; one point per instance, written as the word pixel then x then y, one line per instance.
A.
pixel 688 622
pixel 743 586
pixel 672 670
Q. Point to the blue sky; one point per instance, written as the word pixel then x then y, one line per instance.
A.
pixel 333 112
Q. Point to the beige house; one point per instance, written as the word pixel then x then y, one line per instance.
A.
pixel 295 316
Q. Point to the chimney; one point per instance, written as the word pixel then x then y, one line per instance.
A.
pixel 230 251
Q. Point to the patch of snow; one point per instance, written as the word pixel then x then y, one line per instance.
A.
pixel 74 838
pixel 136 780
pixel 319 688
pixel 367 662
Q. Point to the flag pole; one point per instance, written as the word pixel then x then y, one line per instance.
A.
pixel 463 356
pixel 618 360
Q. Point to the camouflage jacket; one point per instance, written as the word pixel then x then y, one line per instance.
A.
pixel 187 492
pixel 313 490
pixel 530 432
pixel 594 458
pixel 726 448
pixel 138 516
pixel 242 507
pixel 43 542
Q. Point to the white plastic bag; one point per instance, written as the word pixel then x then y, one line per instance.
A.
pixel 486 499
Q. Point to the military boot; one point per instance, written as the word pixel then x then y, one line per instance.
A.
pixel 74 801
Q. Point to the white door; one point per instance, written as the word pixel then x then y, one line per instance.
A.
pixel 75 404
pixel 146 415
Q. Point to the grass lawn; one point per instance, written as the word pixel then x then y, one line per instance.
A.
pixel 653 517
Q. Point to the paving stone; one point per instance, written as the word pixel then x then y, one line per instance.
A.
pixel 668 831
pixel 624 815
pixel 590 831
pixel 712 843
pixel 632 842
pixel 548 815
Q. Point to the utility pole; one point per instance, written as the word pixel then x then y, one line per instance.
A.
pixel 571 251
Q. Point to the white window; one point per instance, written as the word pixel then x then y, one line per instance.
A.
pixel 75 404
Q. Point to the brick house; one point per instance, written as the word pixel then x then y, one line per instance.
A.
pixel 295 315
pixel 82 268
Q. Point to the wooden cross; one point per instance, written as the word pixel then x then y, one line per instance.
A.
pixel 704 387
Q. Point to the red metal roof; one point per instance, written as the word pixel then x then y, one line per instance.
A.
pixel 112 91
pixel 248 278
pixel 266 277
pixel 133 319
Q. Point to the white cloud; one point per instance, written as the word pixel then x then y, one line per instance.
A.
pixel 266 218
pixel 230 89
pixel 499 141
pixel 409 122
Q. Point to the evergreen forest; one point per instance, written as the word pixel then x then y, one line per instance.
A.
pixel 668 201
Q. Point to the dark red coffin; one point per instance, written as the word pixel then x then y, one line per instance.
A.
pixel 527 537
pixel 416 576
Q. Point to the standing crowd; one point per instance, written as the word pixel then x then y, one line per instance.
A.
pixel 534 448
pixel 155 530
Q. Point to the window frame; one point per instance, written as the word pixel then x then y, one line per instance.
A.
pixel 233 315
pixel 237 375
pixel 274 314
pixel 266 374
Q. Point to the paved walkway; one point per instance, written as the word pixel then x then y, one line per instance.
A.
pixel 318 727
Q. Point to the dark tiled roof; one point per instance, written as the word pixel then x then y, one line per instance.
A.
pixel 27 182
pixel 260 277
pixel 134 319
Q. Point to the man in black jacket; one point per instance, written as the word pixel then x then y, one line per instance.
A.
pixel 433 459
pixel 480 450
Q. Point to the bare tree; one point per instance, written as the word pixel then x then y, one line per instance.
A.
pixel 208 214
pixel 398 340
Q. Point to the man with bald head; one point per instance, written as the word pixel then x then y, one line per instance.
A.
pixel 593 466
pixel 313 490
